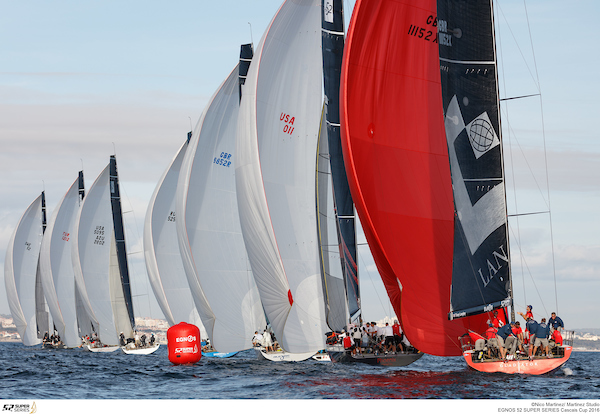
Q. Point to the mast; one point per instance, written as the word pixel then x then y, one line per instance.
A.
pixel 115 199
pixel 332 36
pixel 41 309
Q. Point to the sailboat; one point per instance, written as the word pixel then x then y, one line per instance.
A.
pixel 58 279
pixel 24 290
pixel 161 250
pixel 209 234
pixel 275 172
pixel 338 222
pixel 424 158
pixel 100 262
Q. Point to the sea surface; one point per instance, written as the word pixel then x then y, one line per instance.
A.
pixel 32 373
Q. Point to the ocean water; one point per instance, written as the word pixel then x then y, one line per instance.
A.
pixel 32 373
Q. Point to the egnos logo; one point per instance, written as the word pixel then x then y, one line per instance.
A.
pixel 189 338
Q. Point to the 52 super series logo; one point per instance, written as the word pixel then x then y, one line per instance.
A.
pixel 20 408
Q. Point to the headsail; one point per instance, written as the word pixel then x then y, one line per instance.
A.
pixel 161 249
pixel 208 224
pixel 21 268
pixel 275 160
pixel 56 266
pixel 98 259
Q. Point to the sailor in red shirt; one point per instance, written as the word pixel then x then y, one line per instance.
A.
pixel 347 342
pixel 496 321
pixel 529 314
pixel 490 335
pixel 557 337
pixel 518 332
pixel 397 335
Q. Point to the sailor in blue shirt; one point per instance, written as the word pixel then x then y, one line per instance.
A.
pixel 542 333
pixel 531 327
pixel 509 340
pixel 555 322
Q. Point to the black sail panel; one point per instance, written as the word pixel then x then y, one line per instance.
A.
pixel 246 54
pixel 333 48
pixel 481 271
pixel 115 198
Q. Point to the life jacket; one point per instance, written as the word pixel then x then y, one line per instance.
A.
pixel 348 342
pixel 557 337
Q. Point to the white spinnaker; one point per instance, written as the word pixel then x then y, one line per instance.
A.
pixel 208 225
pixel 56 267
pixel 161 250
pixel 20 267
pixel 94 261
pixel 275 174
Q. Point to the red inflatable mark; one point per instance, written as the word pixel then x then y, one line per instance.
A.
pixel 184 344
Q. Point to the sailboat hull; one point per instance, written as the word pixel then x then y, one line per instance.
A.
pixel 106 348
pixel 140 351
pixel 536 366
pixel 218 354
pixel 282 356
pixel 388 360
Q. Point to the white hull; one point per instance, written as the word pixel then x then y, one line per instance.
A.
pixel 107 348
pixel 279 356
pixel 140 351
pixel 321 357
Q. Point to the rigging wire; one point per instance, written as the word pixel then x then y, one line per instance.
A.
pixel 535 77
pixel 506 118
pixel 545 154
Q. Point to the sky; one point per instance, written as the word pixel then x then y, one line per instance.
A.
pixel 80 81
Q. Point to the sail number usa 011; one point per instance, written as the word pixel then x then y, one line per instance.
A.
pixel 288 121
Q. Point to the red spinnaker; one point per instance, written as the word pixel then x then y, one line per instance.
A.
pixel 396 157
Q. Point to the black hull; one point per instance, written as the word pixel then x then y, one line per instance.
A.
pixel 387 360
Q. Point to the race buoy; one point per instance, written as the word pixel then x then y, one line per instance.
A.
pixel 183 341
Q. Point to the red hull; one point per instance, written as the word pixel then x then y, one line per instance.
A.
pixel 536 366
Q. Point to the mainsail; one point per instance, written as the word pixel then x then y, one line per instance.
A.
pixel 100 260
pixel 332 34
pixel 480 274
pixel 56 266
pixel 21 275
pixel 208 225
pixel 275 160
pixel 398 160
pixel 161 249
pixel 334 290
